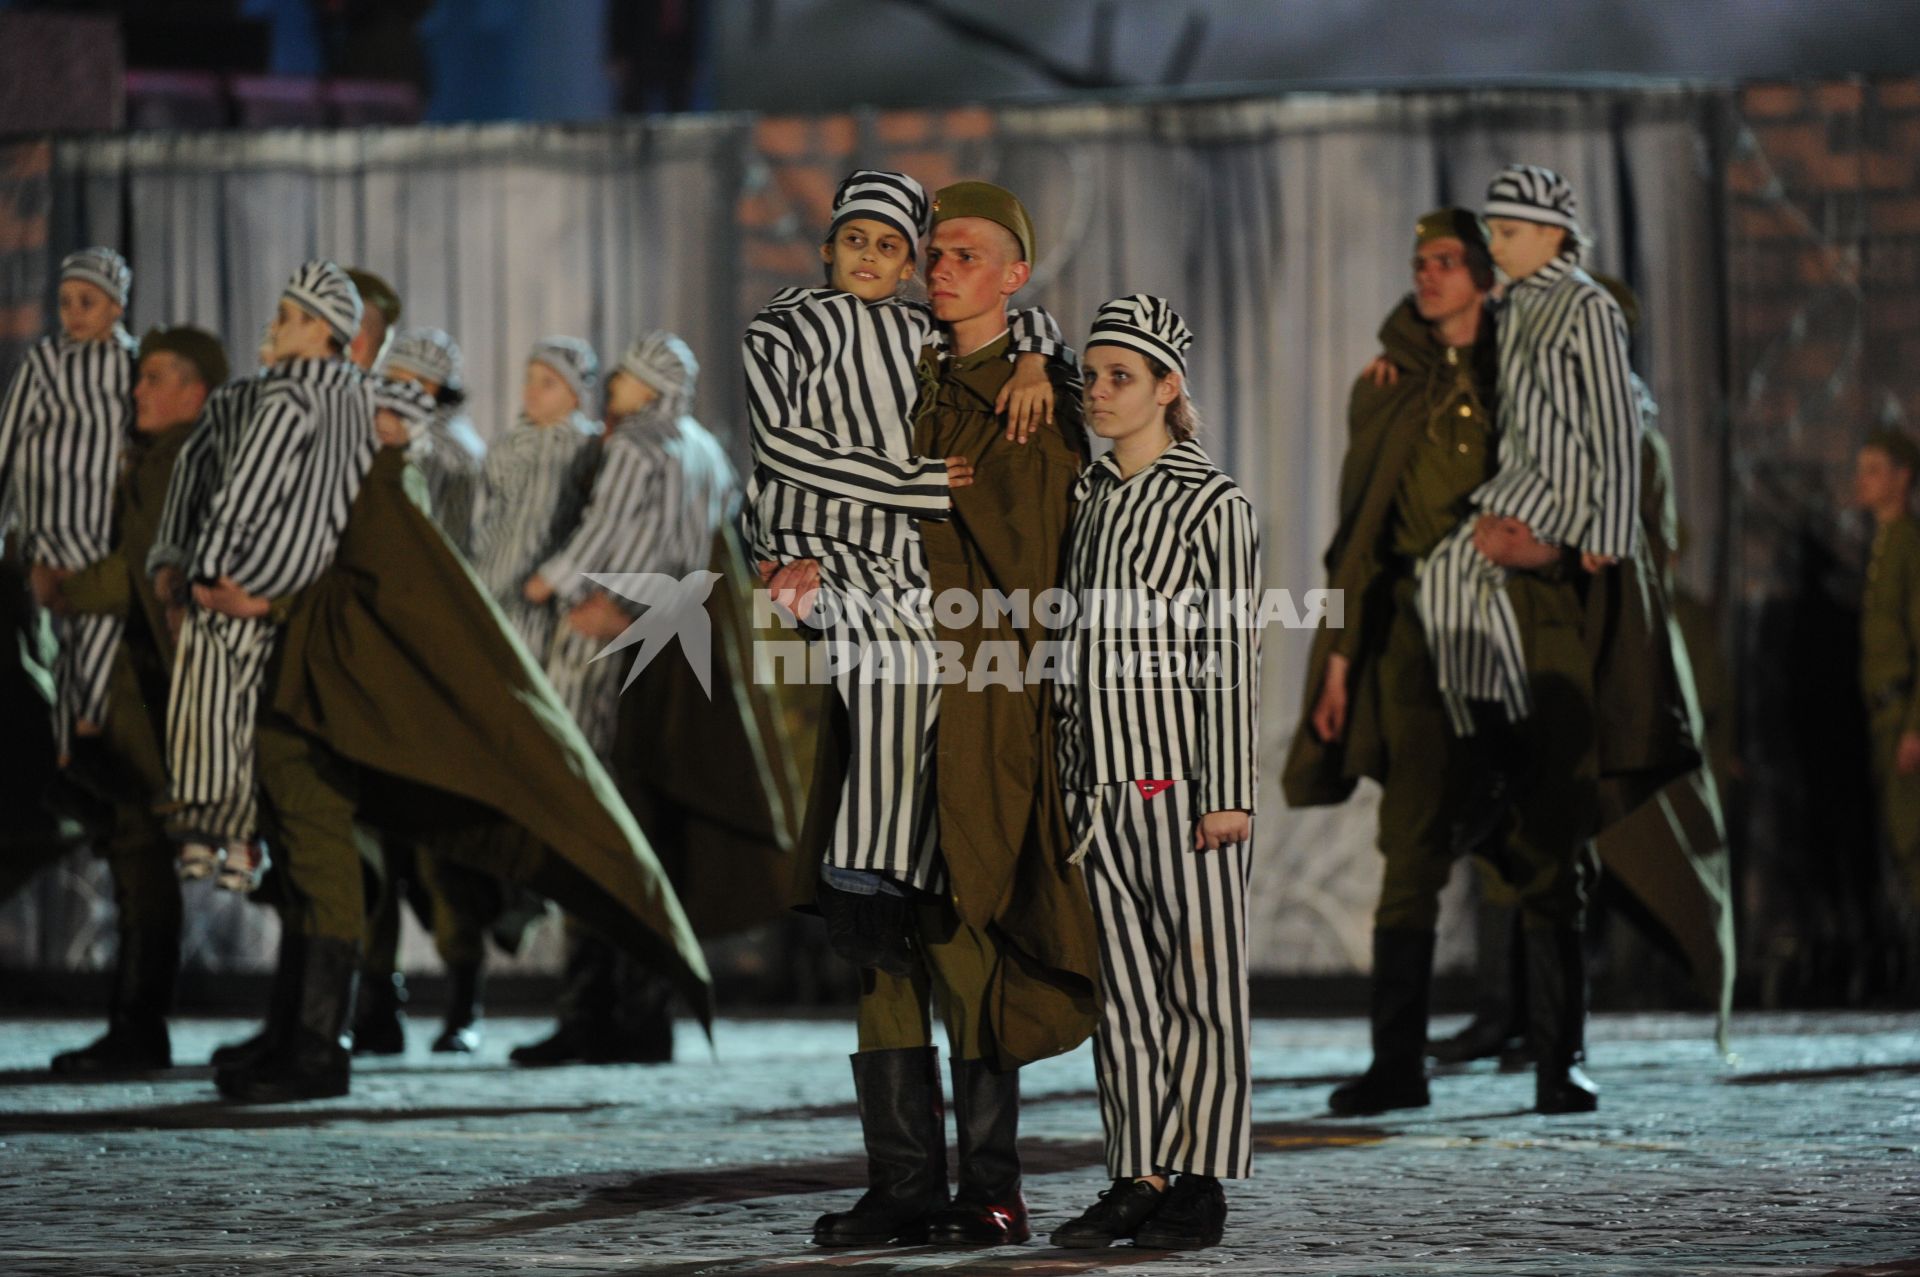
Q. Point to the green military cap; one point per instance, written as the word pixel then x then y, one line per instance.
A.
pixel 1464 225
pixel 984 199
pixel 197 346
pixel 1898 446
pixel 377 293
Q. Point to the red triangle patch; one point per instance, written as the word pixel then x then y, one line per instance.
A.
pixel 1149 788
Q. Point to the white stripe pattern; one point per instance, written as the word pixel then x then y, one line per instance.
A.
pixel 198 471
pixel 1569 423
pixel 1172 1050
pixel 536 483
pixel 452 459
pixel 1178 525
pixel 285 492
pixel 211 710
pixel 664 488
pixel 62 431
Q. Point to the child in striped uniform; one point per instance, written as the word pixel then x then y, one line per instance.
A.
pixel 831 392
pixel 447 449
pixel 271 528
pixel 1157 754
pixel 1569 427
pixel 538 475
pixel 65 421
pixel 663 487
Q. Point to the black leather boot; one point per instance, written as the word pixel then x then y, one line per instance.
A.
pixel 380 1026
pixel 988 1208
pixel 1397 1078
pixel 1557 1000
pixel 1498 1027
pixel 906 1135
pixel 460 1033
pixel 589 1003
pixel 136 1039
pixel 312 1063
pixel 283 1006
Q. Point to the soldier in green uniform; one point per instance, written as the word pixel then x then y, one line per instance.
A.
pixel 178 368
pixel 1890 650
pixel 1419 446
pixel 1007 953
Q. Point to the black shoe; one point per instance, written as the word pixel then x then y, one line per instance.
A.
pixel 988 1207
pixel 1397 1078
pixel 1378 1091
pixel 1557 1005
pixel 311 1063
pixel 283 1007
pixel 868 930
pixel 1479 1040
pixel 1193 1217
pixel 380 1027
pixel 569 1043
pixel 1565 1090
pixel 1119 1214
pixel 906 1137
pixel 131 1044
pixel 460 1032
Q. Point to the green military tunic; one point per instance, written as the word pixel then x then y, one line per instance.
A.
pixel 1010 954
pixel 1889 661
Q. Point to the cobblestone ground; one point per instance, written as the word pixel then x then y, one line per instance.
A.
pixel 1802 1156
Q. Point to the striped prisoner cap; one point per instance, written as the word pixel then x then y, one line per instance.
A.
pixel 667 364
pixel 575 363
pixel 405 400
pixel 105 269
pixel 893 198
pixel 326 292
pixel 1530 193
pixel 1146 324
pixel 427 353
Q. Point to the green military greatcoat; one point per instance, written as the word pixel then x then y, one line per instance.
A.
pixel 1889 661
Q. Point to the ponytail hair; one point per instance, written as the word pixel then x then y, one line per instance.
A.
pixel 1183 417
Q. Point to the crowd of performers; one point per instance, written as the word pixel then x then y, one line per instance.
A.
pixel 299 632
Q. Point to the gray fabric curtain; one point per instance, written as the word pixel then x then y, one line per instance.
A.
pixel 500 235
pixel 1281 228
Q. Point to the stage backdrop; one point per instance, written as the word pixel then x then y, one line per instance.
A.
pixel 1281 228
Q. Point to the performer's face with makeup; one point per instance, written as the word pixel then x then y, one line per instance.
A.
pixel 867 258
pixel 973 266
pixel 86 312
pixel 546 398
pixel 1519 247
pixel 1442 283
pixel 1123 396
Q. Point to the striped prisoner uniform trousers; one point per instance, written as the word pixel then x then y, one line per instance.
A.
pixel 1145 751
pixel 831 393
pixel 536 483
pixel 62 430
pixel 451 456
pixel 1569 423
pixel 272 525
pixel 664 489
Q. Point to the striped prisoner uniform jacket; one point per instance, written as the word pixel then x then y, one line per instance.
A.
pixel 1145 753
pixel 62 430
pixel 1180 524
pixel 200 469
pixel 1569 468
pixel 451 456
pixel 536 484
pixel 831 390
pixel 287 482
pixel 664 488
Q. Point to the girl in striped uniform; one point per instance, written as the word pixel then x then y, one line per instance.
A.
pixel 538 475
pixel 447 449
pixel 1157 754
pixel 831 392
pixel 270 529
pixel 66 418
pixel 663 487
